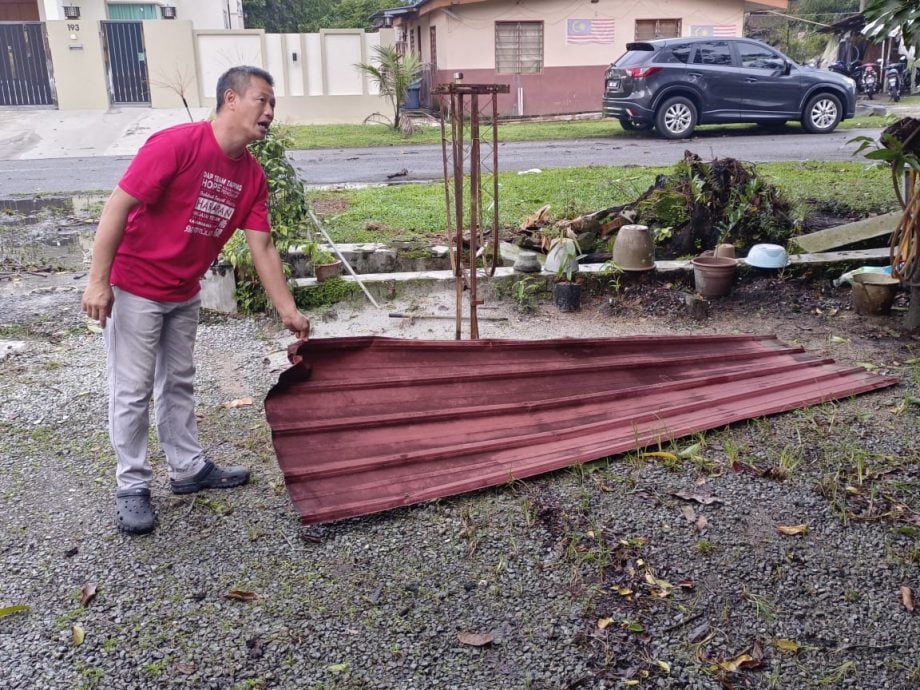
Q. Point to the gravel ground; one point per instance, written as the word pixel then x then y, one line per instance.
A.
pixel 593 577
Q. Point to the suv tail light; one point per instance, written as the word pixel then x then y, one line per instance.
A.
pixel 641 72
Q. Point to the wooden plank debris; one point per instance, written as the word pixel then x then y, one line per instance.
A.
pixel 850 233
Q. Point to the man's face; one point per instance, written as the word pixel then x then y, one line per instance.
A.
pixel 254 110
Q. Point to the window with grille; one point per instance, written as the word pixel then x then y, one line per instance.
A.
pixel 650 29
pixel 518 47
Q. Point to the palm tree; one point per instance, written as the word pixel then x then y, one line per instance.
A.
pixel 393 72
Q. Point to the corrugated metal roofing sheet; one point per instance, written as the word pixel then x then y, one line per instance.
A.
pixel 362 425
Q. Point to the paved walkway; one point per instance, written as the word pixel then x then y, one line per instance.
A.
pixel 35 134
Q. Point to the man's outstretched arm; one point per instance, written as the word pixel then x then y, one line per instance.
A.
pixel 267 261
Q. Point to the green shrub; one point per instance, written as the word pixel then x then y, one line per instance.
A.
pixel 287 208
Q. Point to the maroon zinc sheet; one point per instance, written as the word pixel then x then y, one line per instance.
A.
pixel 362 425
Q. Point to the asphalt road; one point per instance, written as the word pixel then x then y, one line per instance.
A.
pixel 423 163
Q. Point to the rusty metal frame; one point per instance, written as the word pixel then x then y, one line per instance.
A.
pixel 463 105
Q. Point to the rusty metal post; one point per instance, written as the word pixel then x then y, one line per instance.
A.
pixel 455 94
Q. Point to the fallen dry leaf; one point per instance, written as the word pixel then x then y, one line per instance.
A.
pixel 10 610
pixel 656 582
pixel 604 622
pixel 732 665
pixel 792 530
pixel 690 451
pixel 907 598
pixel 87 593
pixel 702 524
pixel 739 466
pixel 239 402
pixel 77 634
pixel 699 498
pixel 688 513
pixel 660 455
pixel 240 595
pixel 476 639
pixel 185 667
pixel 790 646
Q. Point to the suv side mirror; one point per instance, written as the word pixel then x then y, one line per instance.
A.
pixel 787 68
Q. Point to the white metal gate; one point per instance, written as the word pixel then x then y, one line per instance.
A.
pixel 127 62
pixel 25 74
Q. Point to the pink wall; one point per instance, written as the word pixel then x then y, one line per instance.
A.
pixel 557 91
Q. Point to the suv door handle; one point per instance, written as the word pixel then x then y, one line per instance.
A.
pixel 698 75
pixel 751 80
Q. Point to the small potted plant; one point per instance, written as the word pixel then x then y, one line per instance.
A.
pixel 325 265
pixel 562 259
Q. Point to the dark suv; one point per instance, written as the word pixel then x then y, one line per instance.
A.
pixel 674 84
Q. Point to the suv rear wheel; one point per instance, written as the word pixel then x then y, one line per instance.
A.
pixel 676 118
pixel 822 113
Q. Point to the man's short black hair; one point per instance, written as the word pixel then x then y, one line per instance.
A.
pixel 237 79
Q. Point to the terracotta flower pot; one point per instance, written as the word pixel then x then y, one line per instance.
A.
pixel 873 293
pixel 327 271
pixel 713 275
pixel 634 249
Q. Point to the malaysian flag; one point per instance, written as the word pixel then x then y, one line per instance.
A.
pixel 714 30
pixel 589 31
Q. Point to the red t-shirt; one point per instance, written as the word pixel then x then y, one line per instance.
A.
pixel 193 197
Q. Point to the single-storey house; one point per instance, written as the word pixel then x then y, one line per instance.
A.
pixel 552 53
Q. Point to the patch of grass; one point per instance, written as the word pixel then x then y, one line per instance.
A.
pixel 787 461
pixel 251 684
pixel 14 331
pixel 837 675
pixel 326 293
pixel 307 137
pixel 527 292
pixel 155 669
pixel 417 211
pixel 91 676
pixel 764 606
pixel 704 547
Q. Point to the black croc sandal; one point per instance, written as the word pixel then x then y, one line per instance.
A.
pixel 211 476
pixel 133 511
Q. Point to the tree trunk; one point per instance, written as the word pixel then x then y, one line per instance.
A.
pixel 912 319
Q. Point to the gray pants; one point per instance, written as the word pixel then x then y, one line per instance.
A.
pixel 149 349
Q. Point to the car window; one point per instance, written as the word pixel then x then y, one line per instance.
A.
pixel 754 56
pixel 677 53
pixel 713 53
pixel 633 57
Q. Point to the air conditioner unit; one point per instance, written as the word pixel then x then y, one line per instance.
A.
pixel 168 11
pixel 71 12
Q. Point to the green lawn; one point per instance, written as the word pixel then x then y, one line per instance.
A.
pixel 361 136
pixel 382 214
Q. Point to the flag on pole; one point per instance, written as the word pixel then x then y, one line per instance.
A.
pixel 714 30
pixel 589 31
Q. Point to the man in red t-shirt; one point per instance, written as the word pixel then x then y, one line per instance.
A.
pixel 186 192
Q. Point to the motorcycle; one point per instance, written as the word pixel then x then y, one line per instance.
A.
pixel 864 75
pixel 896 79
pixel 870 80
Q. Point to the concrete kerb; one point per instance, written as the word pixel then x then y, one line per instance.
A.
pixel 387 285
